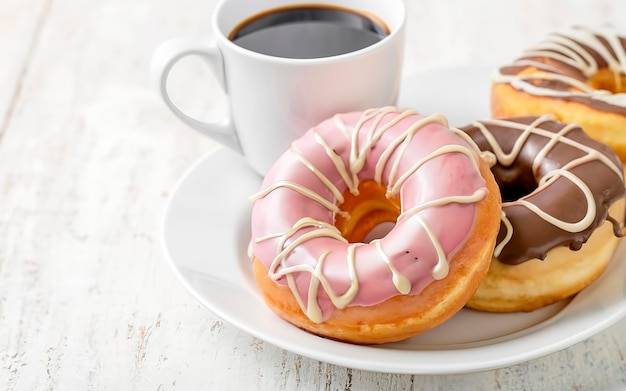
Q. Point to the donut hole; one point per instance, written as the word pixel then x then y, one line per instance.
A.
pixel 605 79
pixel 370 214
pixel 514 192
pixel 514 184
pixel 379 231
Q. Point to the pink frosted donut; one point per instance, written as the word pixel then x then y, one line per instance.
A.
pixel 356 170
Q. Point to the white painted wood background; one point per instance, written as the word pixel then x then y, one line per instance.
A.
pixel 89 155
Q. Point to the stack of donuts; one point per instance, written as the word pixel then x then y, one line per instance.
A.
pixel 505 214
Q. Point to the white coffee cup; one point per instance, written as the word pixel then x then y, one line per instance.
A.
pixel 273 100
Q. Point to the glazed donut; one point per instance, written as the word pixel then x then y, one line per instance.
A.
pixel 578 75
pixel 557 233
pixel 311 258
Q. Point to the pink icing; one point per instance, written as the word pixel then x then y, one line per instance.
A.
pixel 407 249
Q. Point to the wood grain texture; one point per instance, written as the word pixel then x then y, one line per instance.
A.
pixel 89 156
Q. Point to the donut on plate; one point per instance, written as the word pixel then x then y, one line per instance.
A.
pixel 312 257
pixel 563 211
pixel 578 75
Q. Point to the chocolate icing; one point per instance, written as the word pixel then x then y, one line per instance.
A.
pixel 565 62
pixel 551 176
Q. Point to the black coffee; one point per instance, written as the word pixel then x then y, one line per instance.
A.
pixel 308 32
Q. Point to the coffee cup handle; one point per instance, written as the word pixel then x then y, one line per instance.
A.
pixel 164 59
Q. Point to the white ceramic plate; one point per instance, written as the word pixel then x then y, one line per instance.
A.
pixel 206 234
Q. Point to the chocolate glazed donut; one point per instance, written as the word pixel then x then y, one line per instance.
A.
pixel 557 184
pixel 562 212
pixel 578 74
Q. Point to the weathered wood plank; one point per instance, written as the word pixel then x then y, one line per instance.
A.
pixel 20 29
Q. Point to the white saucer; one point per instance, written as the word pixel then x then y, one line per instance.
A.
pixel 206 233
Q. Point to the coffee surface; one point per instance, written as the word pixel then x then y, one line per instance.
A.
pixel 308 32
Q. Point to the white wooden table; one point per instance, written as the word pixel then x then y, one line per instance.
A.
pixel 89 156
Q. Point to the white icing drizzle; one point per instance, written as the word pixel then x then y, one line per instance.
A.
pixel 475 197
pixel 507 237
pixel 568 48
pixel 402 284
pixel 577 226
pixel 338 162
pixel 320 175
pixel 486 156
pixel 440 270
pixel 302 190
pixel 307 228
pixel 404 141
pixel 589 154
